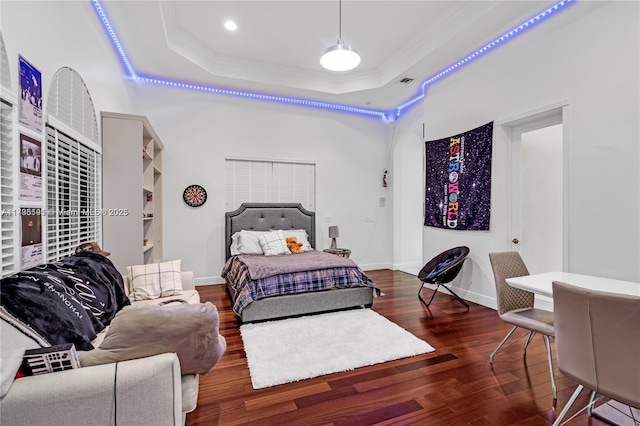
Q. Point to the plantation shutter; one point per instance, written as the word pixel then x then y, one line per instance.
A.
pixel 73 167
pixel 73 195
pixel 8 221
pixel 257 181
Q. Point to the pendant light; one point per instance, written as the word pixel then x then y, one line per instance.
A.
pixel 340 56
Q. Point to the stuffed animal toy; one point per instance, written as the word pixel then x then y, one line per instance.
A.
pixel 293 245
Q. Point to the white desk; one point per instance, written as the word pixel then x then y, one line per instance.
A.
pixel 543 283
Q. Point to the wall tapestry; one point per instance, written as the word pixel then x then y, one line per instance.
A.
pixel 458 180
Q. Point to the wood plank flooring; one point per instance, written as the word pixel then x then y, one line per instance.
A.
pixel 455 385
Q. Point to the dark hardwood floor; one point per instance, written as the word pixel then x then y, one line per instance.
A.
pixel 455 385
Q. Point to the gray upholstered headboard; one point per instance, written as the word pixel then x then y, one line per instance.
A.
pixel 268 216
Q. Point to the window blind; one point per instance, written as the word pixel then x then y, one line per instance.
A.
pixel 73 167
pixel 258 181
pixel 70 103
pixel 8 220
pixel 73 195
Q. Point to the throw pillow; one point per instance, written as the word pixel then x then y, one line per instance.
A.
pixel 190 330
pixel 246 242
pixel 155 280
pixel 273 243
pixel 9 367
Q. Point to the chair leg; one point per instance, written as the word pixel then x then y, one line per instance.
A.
pixel 493 354
pixel 456 296
pixel 553 377
pixel 566 408
pixel 432 296
pixel 526 343
pixel 592 400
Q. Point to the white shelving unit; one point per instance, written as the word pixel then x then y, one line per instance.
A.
pixel 132 190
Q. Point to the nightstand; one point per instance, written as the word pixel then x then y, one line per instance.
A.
pixel 339 252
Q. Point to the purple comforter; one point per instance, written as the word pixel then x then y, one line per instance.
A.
pixel 255 277
pixel 267 266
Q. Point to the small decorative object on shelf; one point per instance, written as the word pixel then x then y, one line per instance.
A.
pixel 50 359
pixel 149 197
pixel 194 195
pixel 338 251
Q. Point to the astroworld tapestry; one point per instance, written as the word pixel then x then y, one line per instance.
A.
pixel 458 180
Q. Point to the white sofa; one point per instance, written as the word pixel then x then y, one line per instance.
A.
pixel 145 391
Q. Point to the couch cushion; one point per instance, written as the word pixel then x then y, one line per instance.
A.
pixel 188 296
pixel 190 384
pixel 154 280
pixel 190 330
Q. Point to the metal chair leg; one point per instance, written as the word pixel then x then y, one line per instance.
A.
pixel 592 400
pixel 432 296
pixel 493 354
pixel 553 377
pixel 526 343
pixel 566 408
pixel 456 296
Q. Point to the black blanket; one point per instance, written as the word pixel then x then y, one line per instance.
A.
pixel 68 301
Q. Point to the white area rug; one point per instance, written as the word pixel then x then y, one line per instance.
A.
pixel 301 348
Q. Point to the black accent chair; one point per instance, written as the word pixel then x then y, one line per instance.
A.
pixel 443 269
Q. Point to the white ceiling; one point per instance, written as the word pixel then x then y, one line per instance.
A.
pixel 278 44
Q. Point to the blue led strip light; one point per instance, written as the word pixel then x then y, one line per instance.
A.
pixel 387 116
pixel 114 38
pixel 484 49
pixel 265 97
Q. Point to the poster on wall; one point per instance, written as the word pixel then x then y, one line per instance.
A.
pixel 31 237
pixel 30 169
pixel 30 102
pixel 458 180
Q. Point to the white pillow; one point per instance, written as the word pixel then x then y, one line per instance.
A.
pixel 273 243
pixel 9 367
pixel 246 242
pixel 301 236
pixel 155 280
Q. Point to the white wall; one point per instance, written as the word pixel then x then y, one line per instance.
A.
pixel 587 56
pixel 55 34
pixel 200 130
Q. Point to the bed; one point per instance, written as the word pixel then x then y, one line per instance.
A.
pixel 327 294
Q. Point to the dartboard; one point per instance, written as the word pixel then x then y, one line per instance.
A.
pixel 194 195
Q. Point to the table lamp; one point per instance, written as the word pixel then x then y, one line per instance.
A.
pixel 334 233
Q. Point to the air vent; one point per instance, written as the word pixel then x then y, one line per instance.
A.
pixel 406 80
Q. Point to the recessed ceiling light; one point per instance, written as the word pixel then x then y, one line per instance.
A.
pixel 230 25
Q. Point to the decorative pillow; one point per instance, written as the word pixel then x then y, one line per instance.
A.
pixel 273 243
pixel 9 367
pixel 246 242
pixel 190 330
pixel 155 280
pixel 301 236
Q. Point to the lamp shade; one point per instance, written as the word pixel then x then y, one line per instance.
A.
pixel 334 232
pixel 340 57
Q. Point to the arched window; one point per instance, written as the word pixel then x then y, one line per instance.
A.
pixel 72 166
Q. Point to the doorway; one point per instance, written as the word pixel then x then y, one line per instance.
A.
pixel 538 189
pixel 541 202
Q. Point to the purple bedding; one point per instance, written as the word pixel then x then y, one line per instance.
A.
pixel 255 277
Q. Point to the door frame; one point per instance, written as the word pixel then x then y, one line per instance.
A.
pixel 509 133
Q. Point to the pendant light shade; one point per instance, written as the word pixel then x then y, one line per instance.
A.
pixel 340 56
